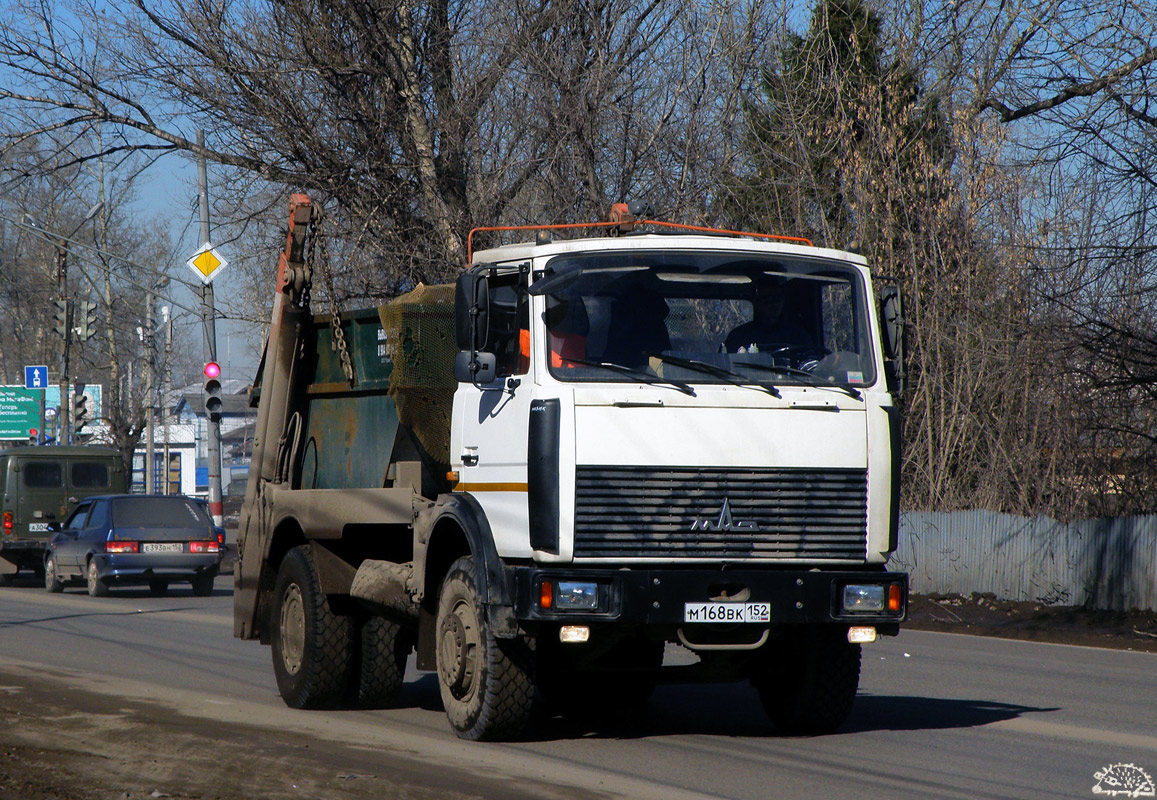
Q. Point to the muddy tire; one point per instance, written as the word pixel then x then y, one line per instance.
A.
pixel 96 587
pixel 158 588
pixel 52 581
pixel 384 648
pixel 487 683
pixel 313 651
pixel 808 683
pixel 203 585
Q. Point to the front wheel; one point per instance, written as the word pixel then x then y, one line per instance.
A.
pixel 313 648
pixel 808 683
pixel 487 683
pixel 52 580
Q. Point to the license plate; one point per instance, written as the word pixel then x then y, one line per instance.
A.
pixel 727 612
pixel 162 547
pixel 38 527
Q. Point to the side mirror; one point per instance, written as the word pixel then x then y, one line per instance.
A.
pixel 54 527
pixel 472 310
pixel 475 367
pixel 892 322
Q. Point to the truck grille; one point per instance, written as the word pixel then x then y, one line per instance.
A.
pixel 757 513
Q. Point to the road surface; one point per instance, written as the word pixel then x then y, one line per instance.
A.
pixel 137 694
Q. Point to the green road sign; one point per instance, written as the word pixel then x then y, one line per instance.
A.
pixel 20 408
pixel 19 411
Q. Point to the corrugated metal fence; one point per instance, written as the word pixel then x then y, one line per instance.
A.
pixel 1099 563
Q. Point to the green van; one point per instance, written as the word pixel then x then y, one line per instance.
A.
pixel 42 485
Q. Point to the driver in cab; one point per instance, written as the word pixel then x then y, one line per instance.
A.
pixel 771 326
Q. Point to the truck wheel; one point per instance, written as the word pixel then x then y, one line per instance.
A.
pixel 312 646
pixel 487 683
pixel 385 646
pixel 808 684
pixel 96 587
pixel 52 580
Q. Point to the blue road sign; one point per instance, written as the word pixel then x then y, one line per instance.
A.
pixel 36 377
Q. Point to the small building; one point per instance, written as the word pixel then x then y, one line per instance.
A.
pixel 188 442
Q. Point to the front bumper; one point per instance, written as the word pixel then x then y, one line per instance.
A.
pixel 658 596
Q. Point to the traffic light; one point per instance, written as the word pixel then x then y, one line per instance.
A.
pixel 86 320
pixel 60 318
pixel 213 401
pixel 81 410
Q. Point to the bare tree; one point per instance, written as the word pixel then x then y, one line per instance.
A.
pixel 413 122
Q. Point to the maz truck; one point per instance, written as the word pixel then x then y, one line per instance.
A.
pixel 659 452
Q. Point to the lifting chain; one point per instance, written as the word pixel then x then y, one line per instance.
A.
pixel 337 339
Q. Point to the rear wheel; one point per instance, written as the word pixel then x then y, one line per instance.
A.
pixel 52 580
pixel 313 652
pixel 203 585
pixel 808 683
pixel 385 647
pixel 158 588
pixel 96 587
pixel 487 683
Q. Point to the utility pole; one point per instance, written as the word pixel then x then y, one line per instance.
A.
pixel 63 412
pixel 166 311
pixel 150 390
pixel 208 314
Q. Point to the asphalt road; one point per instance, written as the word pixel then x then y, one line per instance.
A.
pixel 938 716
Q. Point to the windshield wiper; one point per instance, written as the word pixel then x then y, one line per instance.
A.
pixel 734 378
pixel 811 379
pixel 637 374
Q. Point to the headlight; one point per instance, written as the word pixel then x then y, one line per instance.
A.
pixel 864 597
pixel 577 596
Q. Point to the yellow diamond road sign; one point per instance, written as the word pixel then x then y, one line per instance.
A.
pixel 207 262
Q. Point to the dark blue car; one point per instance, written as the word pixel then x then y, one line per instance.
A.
pixel 127 540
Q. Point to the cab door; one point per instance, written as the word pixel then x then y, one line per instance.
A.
pixel 490 445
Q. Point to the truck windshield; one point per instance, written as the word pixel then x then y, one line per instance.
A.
pixel 707 317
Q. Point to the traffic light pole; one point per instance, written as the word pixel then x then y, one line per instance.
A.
pixel 208 314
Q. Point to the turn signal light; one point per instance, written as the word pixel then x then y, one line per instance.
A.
pixel 546 595
pixel 120 547
pixel 894 598
pixel 204 547
pixel 8 522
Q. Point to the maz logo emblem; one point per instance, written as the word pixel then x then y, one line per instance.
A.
pixel 725 522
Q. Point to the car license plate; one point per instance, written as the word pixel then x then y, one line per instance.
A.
pixel 162 547
pixel 38 527
pixel 727 612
